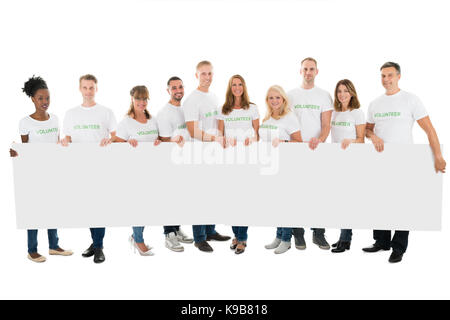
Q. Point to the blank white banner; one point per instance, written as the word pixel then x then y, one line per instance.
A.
pixel 85 185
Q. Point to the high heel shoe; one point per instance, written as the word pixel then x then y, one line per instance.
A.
pixel 136 247
pixel 341 246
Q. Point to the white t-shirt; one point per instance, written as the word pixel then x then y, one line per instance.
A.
pixel 343 124
pixel 171 122
pixel 281 128
pixel 40 131
pixel 129 128
pixel 202 107
pixel 394 116
pixel 308 105
pixel 89 124
pixel 239 122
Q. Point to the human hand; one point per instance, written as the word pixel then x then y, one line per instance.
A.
pixel 275 142
pixel 439 164
pixel 133 142
pixel 378 143
pixel 313 143
pixel 105 142
pixel 13 153
pixel 345 143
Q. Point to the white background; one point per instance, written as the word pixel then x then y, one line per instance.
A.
pixel 145 42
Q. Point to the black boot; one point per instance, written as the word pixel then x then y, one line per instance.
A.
pixel 341 246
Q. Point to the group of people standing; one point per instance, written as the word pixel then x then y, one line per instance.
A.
pixel 304 114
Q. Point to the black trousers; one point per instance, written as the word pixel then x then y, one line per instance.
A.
pixel 399 242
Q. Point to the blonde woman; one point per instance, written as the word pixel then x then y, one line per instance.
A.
pixel 279 125
pixel 138 126
pixel 238 121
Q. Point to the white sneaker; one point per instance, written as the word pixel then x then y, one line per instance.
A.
pixel 283 247
pixel 183 237
pixel 275 243
pixel 172 242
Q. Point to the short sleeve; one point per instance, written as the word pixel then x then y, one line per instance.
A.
pixel 165 128
pixel 191 110
pixel 67 124
pixel 23 127
pixel 112 123
pixel 122 130
pixel 328 103
pixel 254 111
pixel 370 115
pixel 220 116
pixel 292 124
pixel 418 109
pixel 359 117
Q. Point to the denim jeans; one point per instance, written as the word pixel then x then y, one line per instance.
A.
pixel 284 234
pixel 240 233
pixel 97 235
pixel 33 241
pixel 201 231
pixel 346 235
pixel 138 234
pixel 301 231
pixel 169 229
pixel 399 242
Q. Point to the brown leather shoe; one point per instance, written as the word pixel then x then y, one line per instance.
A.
pixel 204 246
pixel 240 248
pixel 217 237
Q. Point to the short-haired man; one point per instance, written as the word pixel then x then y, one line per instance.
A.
pixel 313 107
pixel 200 112
pixel 172 127
pixel 90 122
pixel 390 119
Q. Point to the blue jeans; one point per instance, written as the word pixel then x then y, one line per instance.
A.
pixel 33 242
pixel 138 234
pixel 346 235
pixel 240 233
pixel 284 234
pixel 201 231
pixel 169 229
pixel 97 235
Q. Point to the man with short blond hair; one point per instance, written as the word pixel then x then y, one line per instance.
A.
pixel 200 112
pixel 313 107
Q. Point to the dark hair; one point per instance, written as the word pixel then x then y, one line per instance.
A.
pixel 34 84
pixel 173 79
pixel 391 64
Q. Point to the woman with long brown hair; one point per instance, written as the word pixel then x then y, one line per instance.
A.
pixel 138 126
pixel 348 126
pixel 238 121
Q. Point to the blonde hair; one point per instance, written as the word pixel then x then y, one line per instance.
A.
pixel 138 92
pixel 284 108
pixel 309 59
pixel 203 63
pixel 230 98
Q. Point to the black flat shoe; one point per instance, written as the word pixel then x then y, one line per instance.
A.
pixel 375 248
pixel 99 257
pixel 89 252
pixel 341 246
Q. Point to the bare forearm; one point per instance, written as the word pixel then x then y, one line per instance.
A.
pixel 324 133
